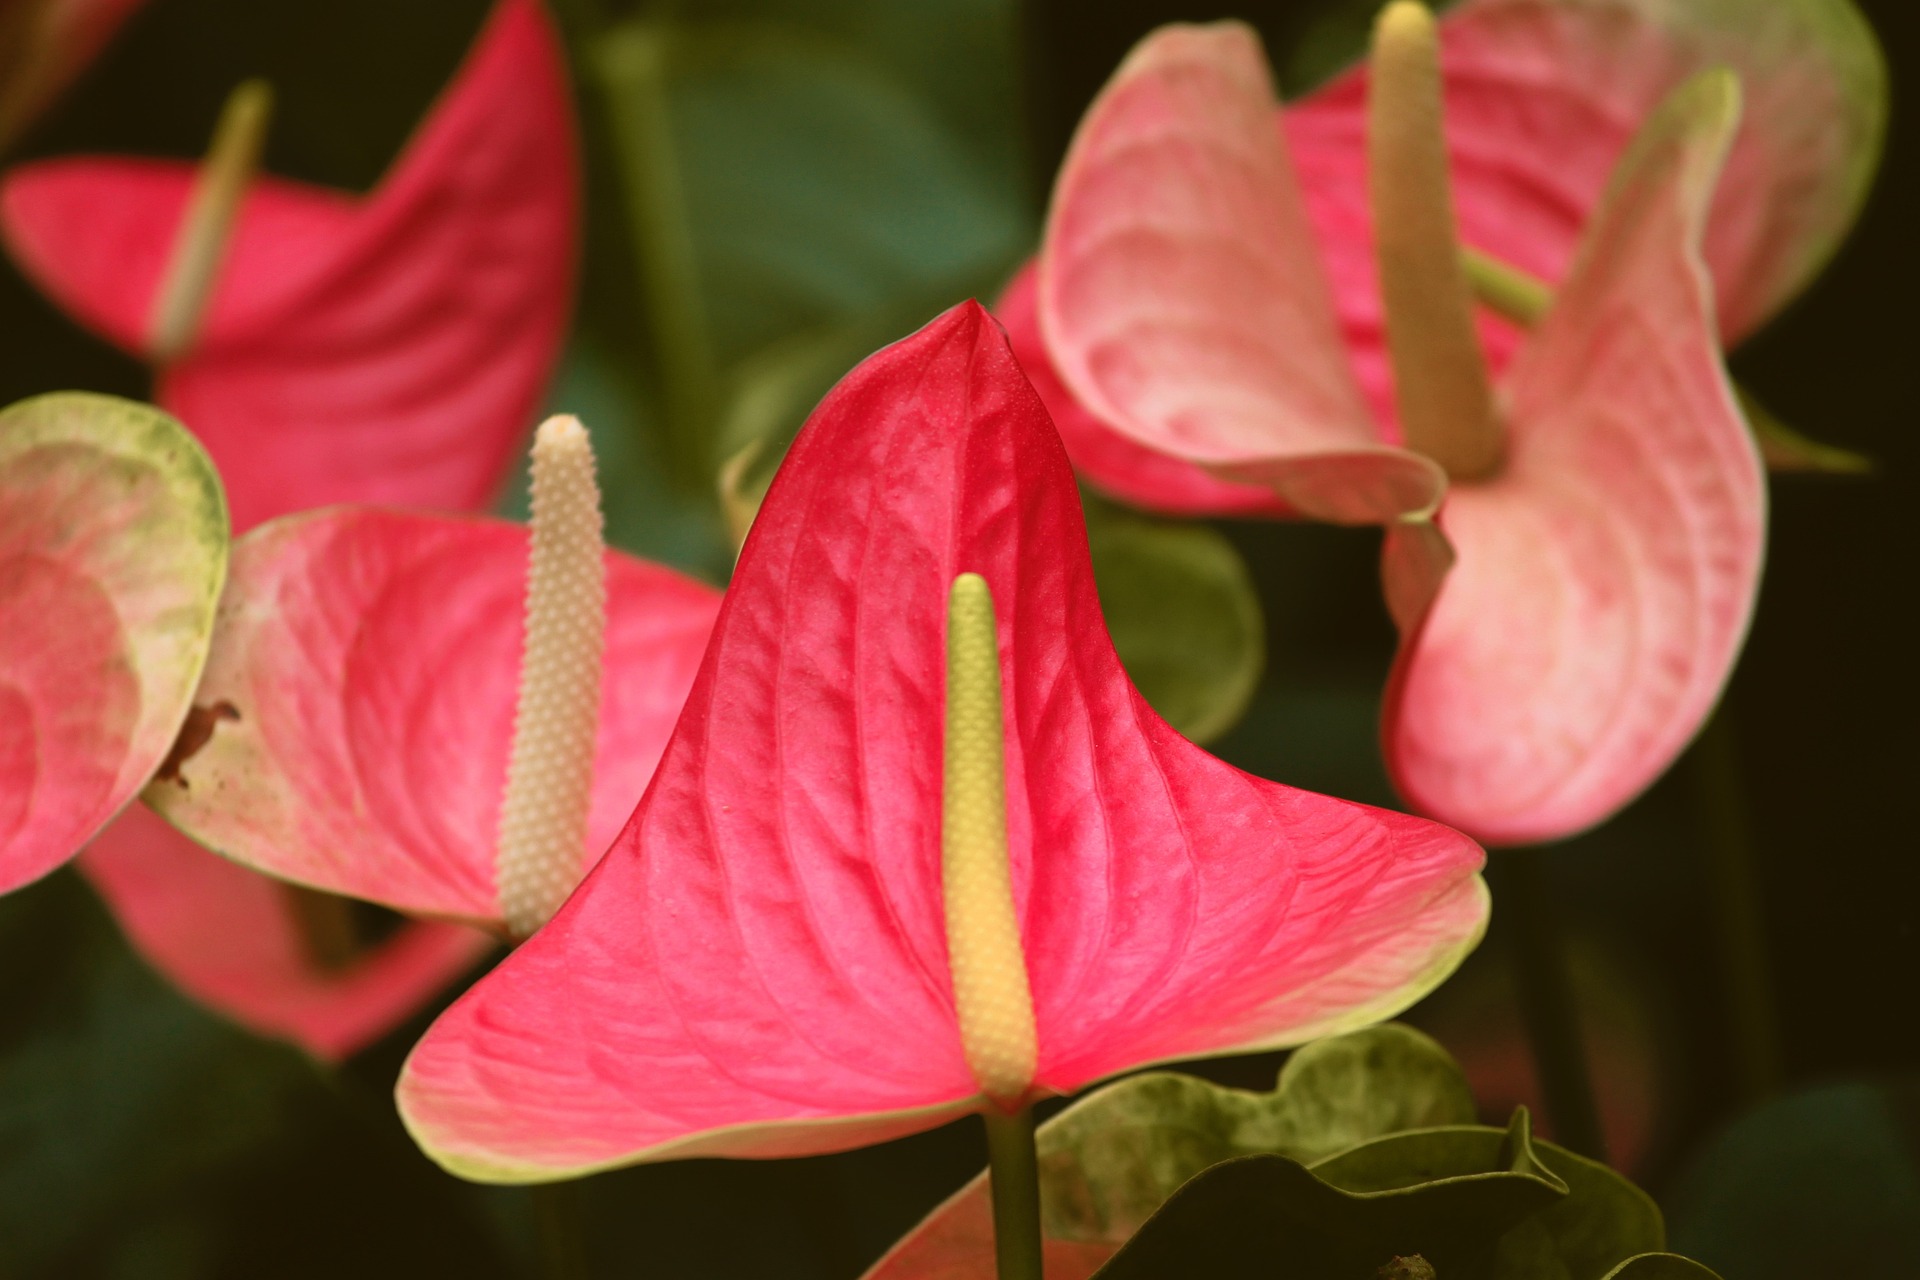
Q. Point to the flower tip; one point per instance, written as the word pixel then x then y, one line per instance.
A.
pixel 1721 95
pixel 561 431
pixel 1406 25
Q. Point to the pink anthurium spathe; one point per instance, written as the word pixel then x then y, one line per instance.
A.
pixel 113 546
pixel 785 949
pixel 1603 495
pixel 385 348
pixel 1541 99
pixel 372 663
pixel 353 729
pixel 390 348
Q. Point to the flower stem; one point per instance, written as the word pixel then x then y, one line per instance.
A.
pixel 633 65
pixel 1014 1174
pixel 1543 983
pixel 559 1220
pixel 1738 916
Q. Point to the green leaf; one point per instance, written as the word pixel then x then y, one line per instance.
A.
pixel 1184 617
pixel 786 184
pixel 1448 1195
pixel 1476 1203
pixel 1111 1159
pixel 1822 1182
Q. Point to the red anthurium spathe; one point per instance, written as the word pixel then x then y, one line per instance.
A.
pixel 391 348
pixel 372 660
pixel 1604 497
pixel 113 546
pixel 762 964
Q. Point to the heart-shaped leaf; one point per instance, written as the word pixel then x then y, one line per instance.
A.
pixel 1111 1159
pixel 1475 1203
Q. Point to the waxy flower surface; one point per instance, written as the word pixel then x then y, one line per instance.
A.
pixel 374 661
pixel 392 348
pixel 386 348
pixel 1541 98
pixel 1603 495
pixel 767 962
pixel 113 546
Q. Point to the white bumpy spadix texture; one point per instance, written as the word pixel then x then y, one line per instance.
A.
pixel 543 817
pixel 991 994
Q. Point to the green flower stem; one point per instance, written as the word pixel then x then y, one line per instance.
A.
pixel 559 1220
pixel 1543 984
pixel 1014 1174
pixel 1738 915
pixel 633 66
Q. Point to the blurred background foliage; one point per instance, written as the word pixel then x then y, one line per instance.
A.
pixel 776 187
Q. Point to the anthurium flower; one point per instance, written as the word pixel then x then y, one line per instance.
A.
pixel 386 348
pixel 860 898
pixel 113 546
pixel 1541 99
pixel 372 663
pixel 44 45
pixel 1604 497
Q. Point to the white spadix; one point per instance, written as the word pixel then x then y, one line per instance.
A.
pixel 543 816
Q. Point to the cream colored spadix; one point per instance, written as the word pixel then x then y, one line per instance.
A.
pixel 1439 372
pixel 990 990
pixel 543 817
pixel 200 246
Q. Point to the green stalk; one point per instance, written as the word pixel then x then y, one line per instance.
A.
pixel 1738 916
pixel 1013 1166
pixel 633 65
pixel 559 1221
pixel 1543 984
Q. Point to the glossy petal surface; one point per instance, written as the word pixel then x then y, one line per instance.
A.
pixel 231 939
pixel 385 349
pixel 759 965
pixel 113 546
pixel 1605 578
pixel 1115 463
pixel 1181 292
pixel 1542 98
pixel 373 660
